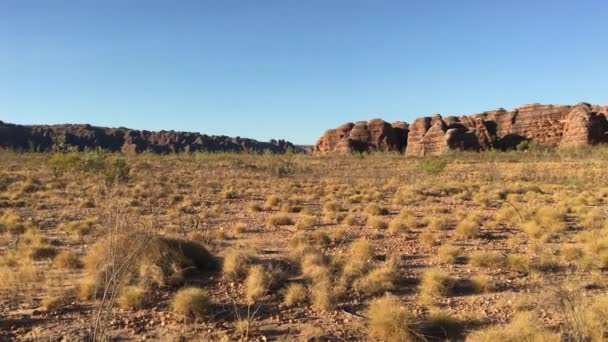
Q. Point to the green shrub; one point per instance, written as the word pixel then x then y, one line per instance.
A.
pixel 432 166
pixel 117 171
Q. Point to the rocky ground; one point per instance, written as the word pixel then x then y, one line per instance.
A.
pixel 503 234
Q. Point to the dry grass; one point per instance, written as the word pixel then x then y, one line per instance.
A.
pixel 67 260
pixel 449 254
pixel 483 283
pixel 379 280
pixel 322 296
pixel 486 259
pixel 434 284
pixel 191 302
pixel 295 294
pixel 131 297
pixel 257 284
pixel 236 264
pixel 390 322
pixel 524 327
pixel 467 228
pixel 515 217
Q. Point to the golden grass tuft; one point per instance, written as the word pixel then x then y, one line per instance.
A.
pixel 375 210
pixel 131 297
pixel 377 223
pixel 438 223
pixel 323 297
pixel 518 263
pixel 257 284
pixel 390 322
pixel 236 264
pixel 191 302
pixel 483 283
pixel 524 327
pixel 361 255
pixel 467 228
pixel 295 294
pixel 280 219
pixel 449 254
pixel 67 260
pixel 379 280
pixel 306 222
pixel 156 261
pixel 486 259
pixel 435 283
pixel 398 225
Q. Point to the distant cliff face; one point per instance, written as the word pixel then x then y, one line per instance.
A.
pixel 562 126
pixel 42 138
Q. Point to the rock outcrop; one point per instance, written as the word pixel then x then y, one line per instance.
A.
pixel 375 135
pixel 42 138
pixel 561 126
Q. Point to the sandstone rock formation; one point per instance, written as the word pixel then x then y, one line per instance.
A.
pixel 42 138
pixel 563 126
pixel 375 135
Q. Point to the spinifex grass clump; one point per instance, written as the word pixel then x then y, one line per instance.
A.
pixel 143 259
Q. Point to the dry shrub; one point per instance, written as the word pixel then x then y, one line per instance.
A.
pixel 397 225
pixel 429 239
pixel 240 228
pixel 592 219
pixel 331 207
pixel 254 207
pixel 323 296
pixel 272 201
pixel 518 263
pixel 374 209
pixel 131 297
pixel 486 259
pixel 350 220
pixel 377 223
pixel 113 261
pixel 77 229
pixel 306 222
pixel 586 317
pixel 191 302
pixel 449 254
pixel 19 278
pixel 508 216
pixel 257 284
pixel 546 220
pixel 483 283
pixel 55 299
pixel 547 261
pixel 571 253
pixel 236 264
pixel 67 260
pixel 314 268
pixel 467 228
pixel 380 280
pixel 439 223
pixel 361 255
pixel 280 219
pixel 435 283
pixel 442 324
pixel 295 294
pixel 390 322
pixel 12 223
pixel 320 238
pixel 524 327
pixel 408 217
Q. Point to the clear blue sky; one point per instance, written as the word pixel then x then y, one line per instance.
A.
pixel 292 69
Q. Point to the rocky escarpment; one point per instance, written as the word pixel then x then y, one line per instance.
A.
pixel 375 135
pixel 561 126
pixel 42 138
